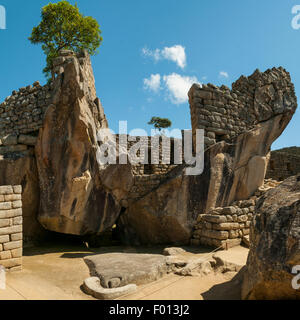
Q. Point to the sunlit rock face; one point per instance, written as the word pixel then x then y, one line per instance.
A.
pixel 73 198
pixel 275 245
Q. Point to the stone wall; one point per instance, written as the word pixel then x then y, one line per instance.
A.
pixel 225 113
pixel 156 165
pixel 228 227
pixel 149 176
pixel 283 165
pixel 224 226
pixel 11 227
pixel 22 112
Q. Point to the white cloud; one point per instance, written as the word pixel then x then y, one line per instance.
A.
pixel 176 54
pixel 153 83
pixel 178 87
pixel 223 74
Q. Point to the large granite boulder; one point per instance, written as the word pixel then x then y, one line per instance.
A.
pixel 73 198
pixel 274 244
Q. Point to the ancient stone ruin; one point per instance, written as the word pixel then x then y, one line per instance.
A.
pixel 49 143
pixel 283 165
pixel 11 227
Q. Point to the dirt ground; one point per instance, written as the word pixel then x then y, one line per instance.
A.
pixel 56 272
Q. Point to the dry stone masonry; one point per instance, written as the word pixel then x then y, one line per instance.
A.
pixel 283 165
pixel 22 112
pixel 225 113
pixel 230 226
pixel 11 235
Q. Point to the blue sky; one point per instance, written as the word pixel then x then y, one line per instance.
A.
pixel 177 42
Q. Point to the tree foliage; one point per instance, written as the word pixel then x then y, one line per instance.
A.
pixel 160 123
pixel 64 27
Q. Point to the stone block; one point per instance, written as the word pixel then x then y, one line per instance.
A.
pixel 215 234
pixel 11 197
pixel 17 221
pixel 4 255
pixel 226 226
pixel 17 253
pixel 16 237
pixel 229 210
pixel 6 190
pixel 246 231
pixel 10 213
pixel 4 239
pixel 242 218
pixel 17 189
pixel 233 234
pixel 10 230
pixel 214 218
pixel 12 245
pixel 10 263
pixel 5 223
pixel 5 205
pixel 17 204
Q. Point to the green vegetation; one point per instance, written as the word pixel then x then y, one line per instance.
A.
pixel 64 27
pixel 160 123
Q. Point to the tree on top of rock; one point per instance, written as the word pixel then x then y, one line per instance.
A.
pixel 160 123
pixel 64 27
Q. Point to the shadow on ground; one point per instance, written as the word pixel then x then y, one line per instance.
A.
pixel 230 290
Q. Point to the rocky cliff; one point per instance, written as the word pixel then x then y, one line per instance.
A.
pixel 274 244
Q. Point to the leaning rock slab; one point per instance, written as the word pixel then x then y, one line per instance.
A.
pixel 120 269
pixel 274 244
pixel 73 197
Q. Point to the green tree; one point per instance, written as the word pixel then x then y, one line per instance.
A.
pixel 64 27
pixel 160 123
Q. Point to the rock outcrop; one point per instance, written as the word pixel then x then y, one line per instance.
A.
pixel 274 244
pixel 233 168
pixel 73 198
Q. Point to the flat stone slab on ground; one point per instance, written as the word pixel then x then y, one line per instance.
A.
pixel 120 269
